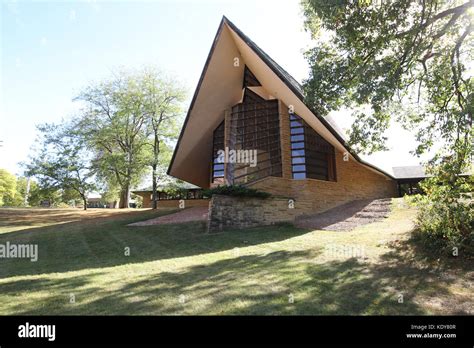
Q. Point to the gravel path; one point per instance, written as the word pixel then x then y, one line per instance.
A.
pixel 187 215
pixel 348 216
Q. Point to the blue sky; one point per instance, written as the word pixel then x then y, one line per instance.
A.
pixel 50 50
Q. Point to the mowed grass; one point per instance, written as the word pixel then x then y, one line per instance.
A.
pixel 179 269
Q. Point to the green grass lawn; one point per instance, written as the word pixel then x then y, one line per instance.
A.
pixel 179 269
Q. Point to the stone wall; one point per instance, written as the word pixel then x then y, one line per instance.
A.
pixel 227 212
pixel 188 203
pixel 172 203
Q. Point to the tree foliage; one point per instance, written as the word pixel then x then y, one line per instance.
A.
pixel 114 126
pixel 129 122
pixel 62 162
pixel 378 53
pixel 410 61
pixel 7 186
pixel 163 98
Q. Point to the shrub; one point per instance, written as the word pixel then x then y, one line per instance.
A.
pixel 447 226
pixel 237 191
pixel 412 200
pixel 446 214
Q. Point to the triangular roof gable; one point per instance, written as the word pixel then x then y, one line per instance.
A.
pixel 285 87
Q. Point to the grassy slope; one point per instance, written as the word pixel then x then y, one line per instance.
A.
pixel 177 269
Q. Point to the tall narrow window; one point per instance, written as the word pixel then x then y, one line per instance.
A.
pixel 255 130
pixel 298 158
pixel 217 165
pixel 311 155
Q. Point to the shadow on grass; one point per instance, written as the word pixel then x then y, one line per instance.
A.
pixel 246 285
pixel 416 251
pixel 250 284
pixel 104 242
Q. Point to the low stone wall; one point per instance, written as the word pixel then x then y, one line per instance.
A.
pixel 188 203
pixel 226 212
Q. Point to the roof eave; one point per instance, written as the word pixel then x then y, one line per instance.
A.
pixel 196 92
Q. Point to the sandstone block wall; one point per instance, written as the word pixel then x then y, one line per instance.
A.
pixel 174 203
pixel 226 212
pixel 188 203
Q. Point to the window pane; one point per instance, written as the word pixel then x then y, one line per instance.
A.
pixel 299 176
pixel 219 174
pixel 297 145
pixel 298 160
pixel 297 137
pixel 299 168
pixel 297 152
pixel 218 166
pixel 299 130
pixel 296 124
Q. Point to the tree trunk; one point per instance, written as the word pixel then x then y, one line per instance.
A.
pixel 124 195
pixel 156 152
pixel 84 200
pixel 154 203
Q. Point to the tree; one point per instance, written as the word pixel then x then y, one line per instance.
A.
pixel 162 108
pixel 130 121
pixel 7 186
pixel 33 195
pixel 114 126
pixel 404 61
pixel 381 52
pixel 18 198
pixel 62 162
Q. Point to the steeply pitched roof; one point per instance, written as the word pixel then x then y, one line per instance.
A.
pixel 286 78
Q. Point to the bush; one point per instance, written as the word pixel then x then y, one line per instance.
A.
pixel 446 227
pixel 412 200
pixel 237 191
pixel 446 214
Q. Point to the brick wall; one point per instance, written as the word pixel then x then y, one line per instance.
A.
pixel 227 212
pixel 354 182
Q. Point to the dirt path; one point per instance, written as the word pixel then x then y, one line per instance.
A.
pixel 187 215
